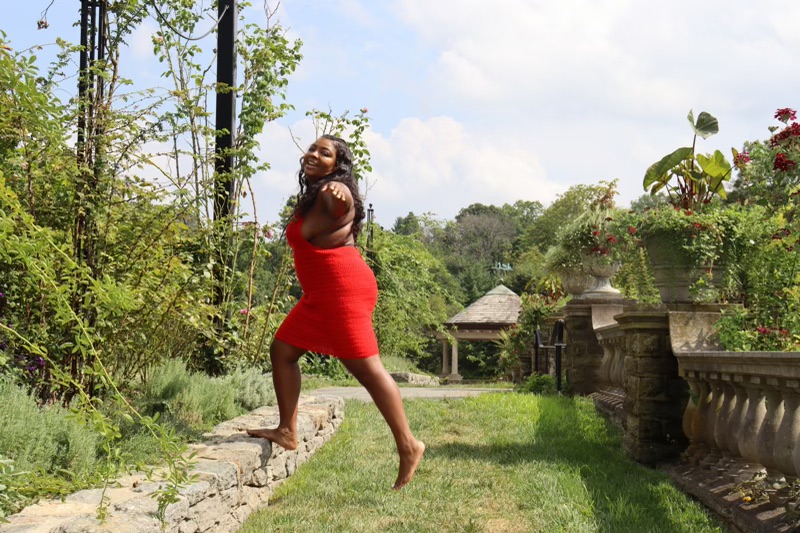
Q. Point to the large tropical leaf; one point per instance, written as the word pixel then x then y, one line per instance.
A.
pixel 715 166
pixel 706 124
pixel 658 172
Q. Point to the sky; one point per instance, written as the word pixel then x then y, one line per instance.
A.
pixel 497 101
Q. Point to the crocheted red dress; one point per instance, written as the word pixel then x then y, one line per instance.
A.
pixel 334 314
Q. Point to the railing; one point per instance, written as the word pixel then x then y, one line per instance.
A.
pixel 612 367
pixel 743 405
pixel 557 344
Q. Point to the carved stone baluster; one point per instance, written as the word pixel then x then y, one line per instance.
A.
pixel 736 424
pixel 724 420
pixel 688 418
pixel 769 428
pixel 618 365
pixel 712 408
pixel 700 421
pixel 788 436
pixel 753 419
pixel 604 372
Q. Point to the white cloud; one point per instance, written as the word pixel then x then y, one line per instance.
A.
pixel 613 55
pixel 141 40
pixel 438 166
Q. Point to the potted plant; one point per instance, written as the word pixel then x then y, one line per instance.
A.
pixel 692 240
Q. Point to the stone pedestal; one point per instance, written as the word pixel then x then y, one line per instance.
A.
pixel 655 395
pixel 584 354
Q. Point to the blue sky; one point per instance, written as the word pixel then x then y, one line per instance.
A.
pixel 498 101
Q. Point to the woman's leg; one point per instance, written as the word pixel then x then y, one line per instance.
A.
pixel 371 373
pixel 286 379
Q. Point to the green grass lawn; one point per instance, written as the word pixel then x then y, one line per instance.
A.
pixel 495 463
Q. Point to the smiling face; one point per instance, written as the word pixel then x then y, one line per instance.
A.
pixel 319 160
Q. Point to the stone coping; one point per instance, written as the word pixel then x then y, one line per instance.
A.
pixel 235 475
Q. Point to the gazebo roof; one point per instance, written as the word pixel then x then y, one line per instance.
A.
pixel 496 309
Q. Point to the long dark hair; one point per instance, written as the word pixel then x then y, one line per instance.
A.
pixel 342 172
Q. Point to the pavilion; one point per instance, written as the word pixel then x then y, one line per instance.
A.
pixel 483 320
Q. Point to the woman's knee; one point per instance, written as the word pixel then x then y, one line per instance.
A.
pixel 280 352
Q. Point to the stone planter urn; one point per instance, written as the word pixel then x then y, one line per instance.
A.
pixel 601 270
pixel 575 282
pixel 675 275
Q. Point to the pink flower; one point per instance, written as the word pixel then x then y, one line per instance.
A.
pixel 244 311
pixel 764 331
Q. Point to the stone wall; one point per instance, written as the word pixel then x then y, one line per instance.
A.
pixel 235 475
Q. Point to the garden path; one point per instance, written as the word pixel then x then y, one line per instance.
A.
pixel 408 393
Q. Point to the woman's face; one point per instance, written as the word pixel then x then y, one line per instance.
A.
pixel 320 159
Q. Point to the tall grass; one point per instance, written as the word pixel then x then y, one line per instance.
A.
pixel 497 463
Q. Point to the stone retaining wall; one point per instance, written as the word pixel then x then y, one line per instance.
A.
pixel 236 475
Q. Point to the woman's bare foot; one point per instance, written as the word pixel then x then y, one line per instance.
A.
pixel 409 461
pixel 280 436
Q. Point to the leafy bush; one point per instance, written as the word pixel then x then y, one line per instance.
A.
pixel 538 384
pixel 318 365
pixel 11 500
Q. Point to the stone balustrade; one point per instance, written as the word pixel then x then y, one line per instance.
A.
pixel 235 475
pixel 744 408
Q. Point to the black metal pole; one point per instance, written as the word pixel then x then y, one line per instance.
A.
pixel 370 216
pixel 226 108
pixel 227 14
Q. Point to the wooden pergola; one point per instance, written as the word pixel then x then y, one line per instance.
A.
pixel 483 320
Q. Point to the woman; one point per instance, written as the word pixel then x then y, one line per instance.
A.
pixel 334 315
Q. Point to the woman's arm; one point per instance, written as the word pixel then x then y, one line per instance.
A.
pixel 337 199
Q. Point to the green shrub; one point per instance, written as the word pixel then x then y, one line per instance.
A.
pixel 538 384
pixel 196 401
pixel 47 438
pixel 252 388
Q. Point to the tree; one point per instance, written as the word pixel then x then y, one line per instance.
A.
pixel 542 233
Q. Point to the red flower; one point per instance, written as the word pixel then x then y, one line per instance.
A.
pixel 741 158
pixel 611 239
pixel 595 233
pixel 762 330
pixel 784 332
pixel 692 235
pixel 697 225
pixel 631 230
pixel 783 163
pixel 687 213
pixel 785 114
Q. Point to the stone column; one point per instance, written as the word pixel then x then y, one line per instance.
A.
pixel 584 355
pixel 445 357
pixel 454 375
pixel 655 395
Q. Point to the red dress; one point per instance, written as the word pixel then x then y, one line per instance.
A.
pixel 334 314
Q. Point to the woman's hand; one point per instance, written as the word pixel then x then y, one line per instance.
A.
pixel 338 198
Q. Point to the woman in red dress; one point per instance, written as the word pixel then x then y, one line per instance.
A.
pixel 334 314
